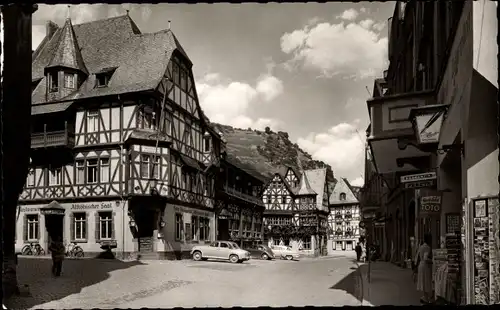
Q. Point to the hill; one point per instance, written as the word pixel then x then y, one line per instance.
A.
pixel 265 150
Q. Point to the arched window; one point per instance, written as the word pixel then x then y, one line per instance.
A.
pixel 342 196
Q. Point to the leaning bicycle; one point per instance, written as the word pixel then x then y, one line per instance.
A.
pixel 34 249
pixel 74 250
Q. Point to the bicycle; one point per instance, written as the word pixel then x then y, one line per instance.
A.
pixel 34 249
pixel 74 250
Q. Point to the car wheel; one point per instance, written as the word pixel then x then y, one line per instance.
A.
pixel 265 256
pixel 234 259
pixel 197 256
pixel 289 257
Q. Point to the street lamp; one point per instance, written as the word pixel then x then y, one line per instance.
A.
pixel 427 122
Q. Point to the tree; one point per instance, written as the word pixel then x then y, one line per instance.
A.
pixel 267 130
pixel 15 135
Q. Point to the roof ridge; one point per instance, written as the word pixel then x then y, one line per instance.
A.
pixel 98 20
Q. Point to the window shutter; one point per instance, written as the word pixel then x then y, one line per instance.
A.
pixel 25 227
pixel 113 226
pixel 97 236
pixel 72 226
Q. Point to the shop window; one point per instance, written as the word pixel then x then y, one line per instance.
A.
pixel 79 226
pixel 276 241
pixel 33 227
pixel 306 244
pixel 105 225
pixel 178 226
pixel 195 224
pixel 204 228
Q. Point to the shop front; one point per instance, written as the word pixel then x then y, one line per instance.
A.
pixel 93 226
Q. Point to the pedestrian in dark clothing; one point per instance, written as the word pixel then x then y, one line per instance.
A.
pixel 359 251
pixel 57 250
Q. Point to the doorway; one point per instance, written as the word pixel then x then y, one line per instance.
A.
pixel 54 224
pixel 145 220
pixel 222 229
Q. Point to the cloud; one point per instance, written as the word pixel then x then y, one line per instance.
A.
pixel 227 102
pixel 270 87
pixel 349 14
pixel 356 50
pixel 341 146
pixel 359 181
pixel 82 13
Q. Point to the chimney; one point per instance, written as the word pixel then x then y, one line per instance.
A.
pixel 168 25
pixel 50 29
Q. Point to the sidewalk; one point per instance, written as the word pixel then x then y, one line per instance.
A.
pixel 389 285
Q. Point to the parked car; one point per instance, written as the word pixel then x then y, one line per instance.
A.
pixel 285 252
pixel 226 250
pixel 260 251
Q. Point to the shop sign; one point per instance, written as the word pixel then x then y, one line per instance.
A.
pixel 52 211
pixel 191 211
pixel 420 184
pixel 91 205
pixel 29 209
pixel 430 204
pixel 418 177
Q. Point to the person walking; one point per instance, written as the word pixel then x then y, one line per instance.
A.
pixel 57 249
pixel 358 251
pixel 424 269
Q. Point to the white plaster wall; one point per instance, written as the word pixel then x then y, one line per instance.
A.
pixel 485 28
pixel 482 178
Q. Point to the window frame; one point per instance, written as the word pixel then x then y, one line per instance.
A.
pixel 80 167
pixel 105 79
pixel 104 165
pixel 308 243
pixel 92 117
pixel 83 226
pixel 36 227
pixel 31 178
pixel 92 167
pixel 69 80
pixel 53 82
pixel 178 218
pixel 55 174
pixel 109 221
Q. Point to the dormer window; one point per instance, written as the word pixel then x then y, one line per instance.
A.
pixel 102 80
pixel 104 76
pixel 53 82
pixel 69 80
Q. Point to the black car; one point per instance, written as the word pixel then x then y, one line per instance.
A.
pixel 260 251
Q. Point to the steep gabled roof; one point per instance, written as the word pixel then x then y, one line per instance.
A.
pixel 342 186
pixel 140 59
pixel 67 53
pixel 317 180
pixel 304 187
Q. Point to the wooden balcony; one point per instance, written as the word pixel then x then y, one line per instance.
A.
pixel 50 139
pixel 237 194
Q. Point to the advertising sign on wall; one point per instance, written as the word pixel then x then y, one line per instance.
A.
pixel 430 205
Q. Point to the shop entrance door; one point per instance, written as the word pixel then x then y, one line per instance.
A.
pixel 223 229
pixel 145 220
pixel 54 223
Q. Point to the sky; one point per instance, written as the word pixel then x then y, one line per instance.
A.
pixel 303 68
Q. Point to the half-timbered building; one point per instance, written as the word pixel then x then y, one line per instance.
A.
pixel 122 154
pixel 240 208
pixel 296 209
pixel 343 217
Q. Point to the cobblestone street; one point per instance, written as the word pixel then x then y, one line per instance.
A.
pixel 92 283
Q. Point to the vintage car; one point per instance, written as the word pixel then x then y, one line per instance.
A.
pixel 224 250
pixel 285 252
pixel 260 251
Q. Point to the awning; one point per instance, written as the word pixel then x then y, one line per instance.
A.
pixel 53 208
pixel 50 108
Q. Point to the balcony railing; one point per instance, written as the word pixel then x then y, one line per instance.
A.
pixel 52 139
pixel 249 198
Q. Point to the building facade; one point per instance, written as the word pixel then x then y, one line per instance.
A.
pixel 343 218
pixel 240 208
pixel 435 151
pixel 296 209
pixel 122 154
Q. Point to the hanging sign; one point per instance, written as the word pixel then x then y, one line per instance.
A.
pixel 418 177
pixel 430 205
